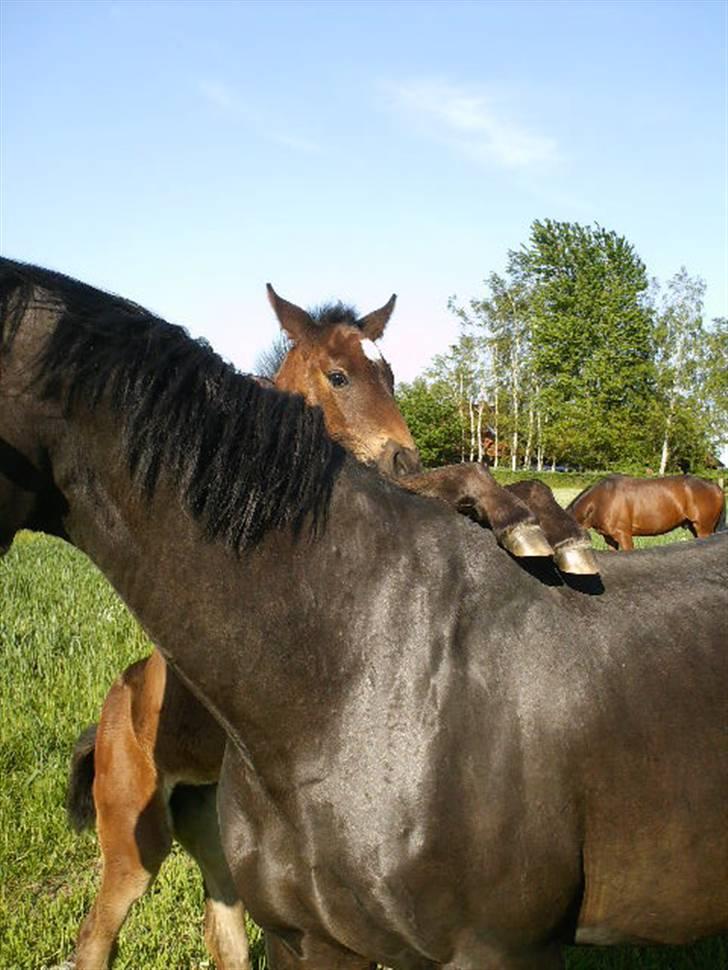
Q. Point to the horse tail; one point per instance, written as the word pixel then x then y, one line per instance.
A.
pixel 720 525
pixel 80 807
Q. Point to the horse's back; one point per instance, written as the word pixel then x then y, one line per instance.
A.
pixel 650 506
pixel 653 759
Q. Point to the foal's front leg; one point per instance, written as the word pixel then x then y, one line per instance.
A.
pixel 572 547
pixel 470 488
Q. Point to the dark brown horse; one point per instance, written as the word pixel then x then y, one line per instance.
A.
pixel 154 736
pixel 619 507
pixel 431 759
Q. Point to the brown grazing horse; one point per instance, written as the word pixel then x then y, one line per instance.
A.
pixel 619 507
pixel 154 736
pixel 431 759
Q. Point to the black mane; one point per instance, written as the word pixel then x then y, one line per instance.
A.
pixel 247 458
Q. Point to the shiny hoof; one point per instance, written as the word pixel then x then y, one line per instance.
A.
pixel 576 558
pixel 527 540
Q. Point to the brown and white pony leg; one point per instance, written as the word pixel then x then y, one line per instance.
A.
pixel 194 816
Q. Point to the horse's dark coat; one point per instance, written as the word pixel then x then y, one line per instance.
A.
pixel 433 759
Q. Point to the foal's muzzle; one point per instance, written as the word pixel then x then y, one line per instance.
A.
pixel 398 461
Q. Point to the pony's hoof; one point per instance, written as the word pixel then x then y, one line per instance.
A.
pixel 527 540
pixel 577 559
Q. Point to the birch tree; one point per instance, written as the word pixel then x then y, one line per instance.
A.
pixel 679 338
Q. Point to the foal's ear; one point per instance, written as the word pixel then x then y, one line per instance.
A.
pixel 295 321
pixel 373 324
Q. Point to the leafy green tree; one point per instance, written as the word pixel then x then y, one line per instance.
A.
pixel 700 428
pixel 432 414
pixel 679 333
pixel 591 342
pixel 497 330
pixel 505 315
pixel 712 381
pixel 460 375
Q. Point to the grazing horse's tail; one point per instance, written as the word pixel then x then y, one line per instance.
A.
pixel 80 807
pixel 720 525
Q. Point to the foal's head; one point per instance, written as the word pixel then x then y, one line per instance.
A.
pixel 335 364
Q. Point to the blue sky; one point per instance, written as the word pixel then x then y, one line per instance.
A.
pixel 184 154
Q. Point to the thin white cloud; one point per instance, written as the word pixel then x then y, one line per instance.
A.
pixel 225 99
pixel 219 94
pixel 473 122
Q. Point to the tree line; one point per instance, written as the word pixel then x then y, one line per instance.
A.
pixel 574 357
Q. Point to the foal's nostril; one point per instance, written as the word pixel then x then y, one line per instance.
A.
pixel 398 460
pixel 406 461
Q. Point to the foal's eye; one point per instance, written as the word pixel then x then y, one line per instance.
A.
pixel 337 378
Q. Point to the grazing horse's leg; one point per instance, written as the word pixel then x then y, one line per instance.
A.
pixel 619 539
pixel 472 487
pixel 572 546
pixel 195 825
pixel 314 955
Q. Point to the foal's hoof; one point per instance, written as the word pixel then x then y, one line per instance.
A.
pixel 577 558
pixel 527 540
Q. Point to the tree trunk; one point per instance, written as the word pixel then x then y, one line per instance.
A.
pixel 461 412
pixel 666 440
pixel 481 408
pixel 471 415
pixel 515 393
pixel 496 415
pixel 677 380
pixel 539 442
pixel 529 438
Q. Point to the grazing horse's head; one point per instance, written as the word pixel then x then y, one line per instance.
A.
pixel 335 364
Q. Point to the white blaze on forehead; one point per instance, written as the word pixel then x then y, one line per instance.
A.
pixel 370 349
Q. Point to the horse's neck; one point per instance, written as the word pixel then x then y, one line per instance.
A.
pixel 221 618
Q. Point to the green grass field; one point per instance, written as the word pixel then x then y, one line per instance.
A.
pixel 64 636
